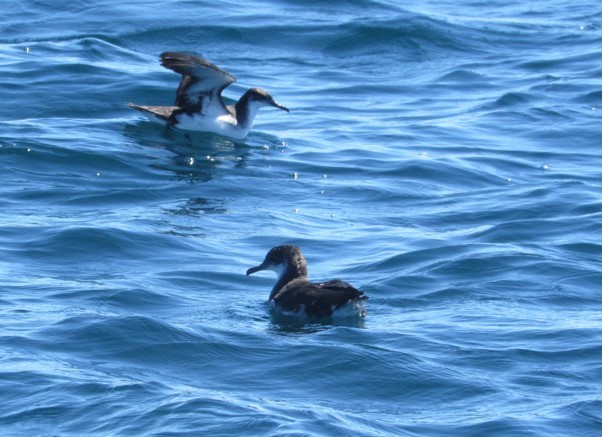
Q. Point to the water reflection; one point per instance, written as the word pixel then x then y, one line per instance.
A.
pixel 294 325
pixel 198 206
pixel 196 155
pixel 193 158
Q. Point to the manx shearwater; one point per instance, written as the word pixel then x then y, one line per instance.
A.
pixel 199 105
pixel 293 293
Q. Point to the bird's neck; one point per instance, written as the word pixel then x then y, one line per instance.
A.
pixel 294 270
pixel 246 109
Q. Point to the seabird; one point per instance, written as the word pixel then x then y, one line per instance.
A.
pixel 293 293
pixel 199 105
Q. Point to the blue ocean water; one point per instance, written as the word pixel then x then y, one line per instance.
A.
pixel 442 156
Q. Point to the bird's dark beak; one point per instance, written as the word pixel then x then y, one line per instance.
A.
pixel 256 269
pixel 279 106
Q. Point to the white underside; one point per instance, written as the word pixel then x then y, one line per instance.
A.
pixel 225 125
pixel 222 125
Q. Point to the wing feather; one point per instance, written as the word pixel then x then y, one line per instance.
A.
pixel 319 300
pixel 202 82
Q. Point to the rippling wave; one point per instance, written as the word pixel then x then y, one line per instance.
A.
pixel 443 157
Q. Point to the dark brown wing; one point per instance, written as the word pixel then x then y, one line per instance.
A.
pixel 202 82
pixel 319 300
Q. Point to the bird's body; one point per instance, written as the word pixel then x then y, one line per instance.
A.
pixel 294 293
pixel 199 105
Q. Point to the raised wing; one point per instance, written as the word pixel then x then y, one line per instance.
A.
pixel 319 300
pixel 202 82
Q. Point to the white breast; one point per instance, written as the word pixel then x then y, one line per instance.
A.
pixel 222 123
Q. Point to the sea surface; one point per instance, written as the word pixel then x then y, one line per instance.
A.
pixel 445 157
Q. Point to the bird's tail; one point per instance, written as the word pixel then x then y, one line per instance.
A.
pixel 161 112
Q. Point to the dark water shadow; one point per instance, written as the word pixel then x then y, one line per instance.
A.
pixel 282 324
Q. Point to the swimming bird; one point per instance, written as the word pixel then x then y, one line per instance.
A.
pixel 199 105
pixel 293 293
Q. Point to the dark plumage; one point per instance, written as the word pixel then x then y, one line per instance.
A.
pixel 294 293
